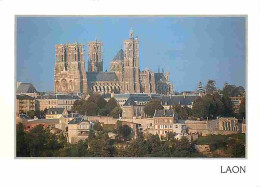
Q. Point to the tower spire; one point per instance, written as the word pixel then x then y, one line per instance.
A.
pixel 131 34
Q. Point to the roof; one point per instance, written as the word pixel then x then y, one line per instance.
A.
pixel 24 97
pixel 164 113
pixel 178 99
pixel 77 120
pixel 26 88
pixel 39 121
pixel 119 55
pixel 159 77
pixel 55 110
pixel 133 99
pixel 68 97
pixel 58 97
pixel 101 76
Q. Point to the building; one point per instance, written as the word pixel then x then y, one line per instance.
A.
pixel 134 106
pixel 95 57
pixel 24 103
pixel 46 123
pixel 56 101
pixel 70 76
pixel 124 76
pixel 56 113
pixel 163 122
pixel 26 89
pixel 78 129
pixel 228 124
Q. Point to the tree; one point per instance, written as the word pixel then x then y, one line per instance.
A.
pixel 91 108
pixel 151 106
pixel 22 148
pixel 182 112
pixel 97 127
pixel 232 90
pixel 31 113
pixel 200 88
pixel 116 112
pixel 198 109
pixel 100 146
pixel 242 109
pixel 210 87
pixel 228 106
pixel 111 104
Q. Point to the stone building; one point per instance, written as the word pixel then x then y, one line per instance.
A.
pixel 70 76
pixel 124 76
pixel 163 122
pixel 78 129
pixel 56 101
pixel 26 89
pixel 95 58
pixel 24 103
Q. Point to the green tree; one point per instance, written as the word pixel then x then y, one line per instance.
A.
pixel 116 112
pixel 91 108
pixel 151 106
pixel 228 106
pixel 198 108
pixel 242 109
pixel 31 113
pixel 111 104
pixel 97 127
pixel 22 148
pixel 210 87
pixel 124 131
pixel 101 146
pixel 232 90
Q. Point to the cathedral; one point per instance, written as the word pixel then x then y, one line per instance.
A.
pixel 124 75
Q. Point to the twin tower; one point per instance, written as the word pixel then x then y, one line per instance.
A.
pixel 124 75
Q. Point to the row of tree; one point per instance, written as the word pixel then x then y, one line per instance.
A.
pixel 209 106
pixel 39 142
pixel 228 89
pixel 97 105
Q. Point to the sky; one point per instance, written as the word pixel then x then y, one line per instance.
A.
pixel 193 49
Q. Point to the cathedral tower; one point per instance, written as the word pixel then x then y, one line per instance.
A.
pixel 130 78
pixel 70 74
pixel 95 59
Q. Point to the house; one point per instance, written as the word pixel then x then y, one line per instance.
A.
pixel 78 129
pixel 56 113
pixel 134 106
pixel 24 103
pixel 26 89
pixel 46 123
pixel 56 101
pixel 163 122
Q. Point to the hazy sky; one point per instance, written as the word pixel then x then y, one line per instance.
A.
pixel 192 48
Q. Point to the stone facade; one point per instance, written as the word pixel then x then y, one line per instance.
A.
pixel 95 58
pixel 70 76
pixel 163 122
pixel 24 103
pixel 56 101
pixel 124 76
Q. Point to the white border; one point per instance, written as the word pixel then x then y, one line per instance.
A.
pixel 126 172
